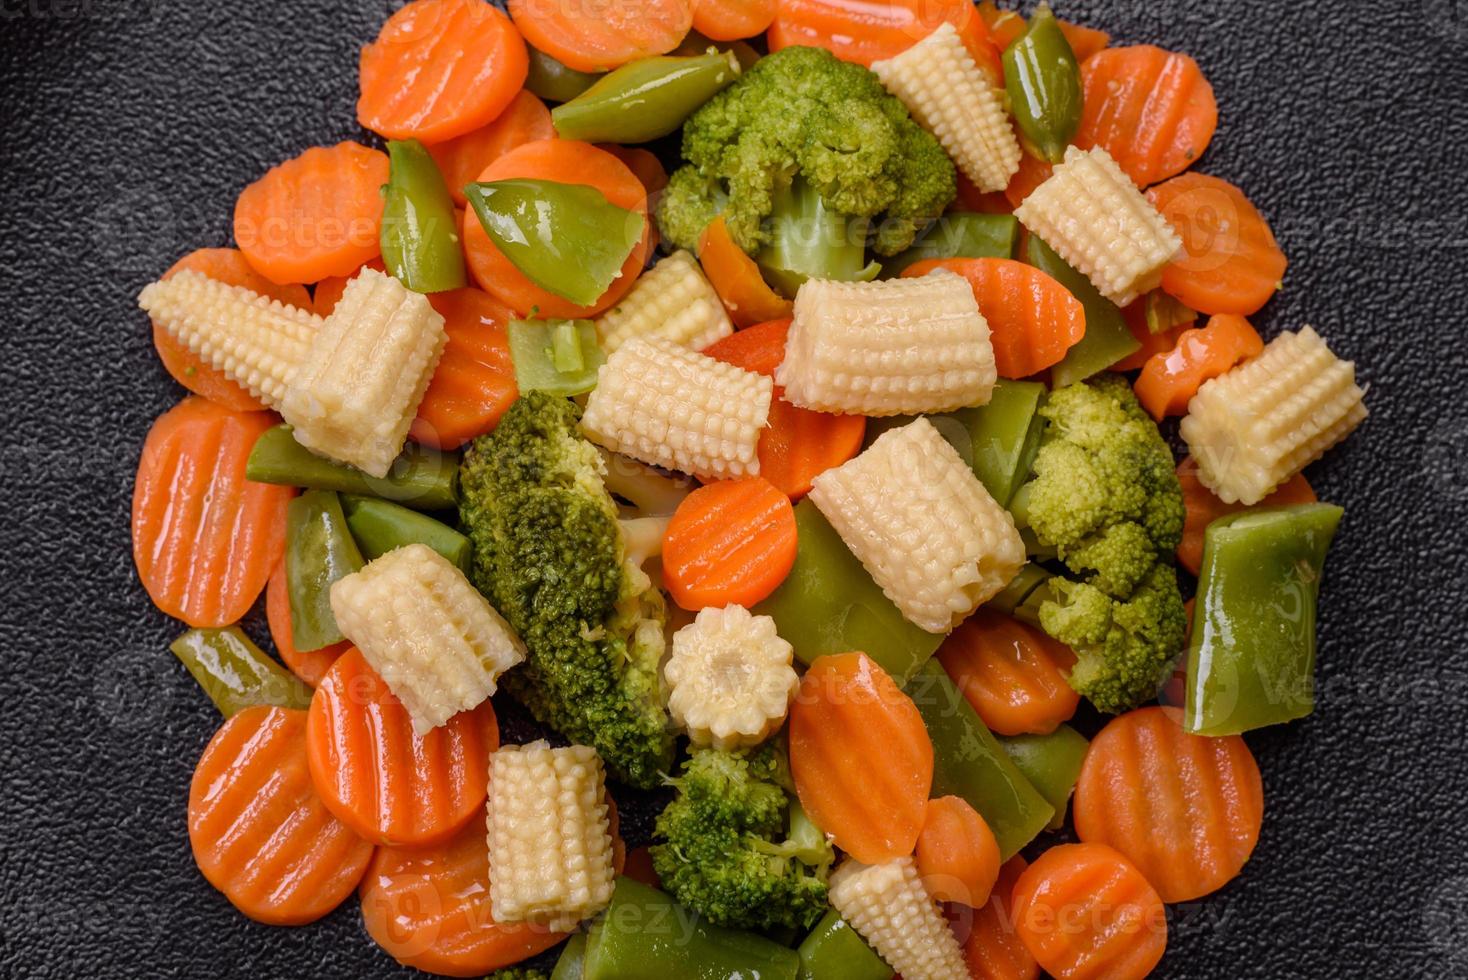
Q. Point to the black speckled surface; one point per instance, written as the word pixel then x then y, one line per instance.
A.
pixel 126 130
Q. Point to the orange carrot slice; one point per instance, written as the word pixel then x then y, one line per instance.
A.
pixel 1033 320
pixel 1135 314
pixel 1012 675
pixel 1084 41
pixel 737 279
pixel 1084 912
pixel 1170 380
pixel 1202 507
pixel 259 832
pixel 957 854
pixel 309 665
pixel 731 20
pixel 729 543
pixel 1151 109
pixel 227 265
pixel 328 292
pixel 440 69
pixel 461 160
pixel 861 757
pixel 639 868
pixel 1230 262
pixel 474 383
pixel 205 539
pixel 865 31
pixel 1005 26
pixel 567 162
pixel 993 950
pixel 389 785
pixel 643 163
pixel 604 35
pixel 1185 809
pixel 428 908
pixel 1032 173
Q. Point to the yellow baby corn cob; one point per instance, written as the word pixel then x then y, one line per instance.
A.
pixel 673 299
pixel 664 404
pixel 730 678
pixel 922 525
pixel 890 908
pixel 358 387
pixel 427 631
pixel 256 341
pixel 550 847
pixel 888 348
pixel 1266 420
pixel 1094 216
pixel 949 97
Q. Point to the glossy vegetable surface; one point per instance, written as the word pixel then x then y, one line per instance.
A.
pixel 422 478
pixel 1051 763
pixel 645 99
pixel 379 526
pixel 319 551
pixel 235 673
pixel 420 231
pixel 1107 339
pixel 1043 82
pixel 834 951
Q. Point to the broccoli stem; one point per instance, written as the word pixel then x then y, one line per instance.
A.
pixel 810 241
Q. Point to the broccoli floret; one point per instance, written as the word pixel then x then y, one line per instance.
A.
pixel 737 848
pixel 549 554
pixel 802 111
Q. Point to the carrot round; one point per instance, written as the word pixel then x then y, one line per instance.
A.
pixel 567 162
pixel 643 163
pixel 731 20
pixel 461 160
pixel 861 757
pixel 227 265
pixel 1230 262
pixel 328 292
pixel 1033 320
pixel 1151 109
pixel 639 867
pixel 309 665
pixel 993 950
pixel 259 832
pixel 1032 173
pixel 1185 809
pixel 737 280
pixel 599 36
pixel 1135 314
pixel 865 31
pixel 1005 26
pixel 957 854
pixel 1084 41
pixel 1202 507
pixel 205 539
pixel 1170 380
pixel 389 785
pixel 474 383
pixel 439 69
pixel 1012 675
pixel 429 908
pixel 1084 912
pixel 729 543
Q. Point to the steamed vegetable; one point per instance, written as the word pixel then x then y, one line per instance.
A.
pixel 235 673
pixel 420 234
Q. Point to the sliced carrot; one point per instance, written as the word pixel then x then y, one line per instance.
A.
pixel 1185 809
pixel 737 279
pixel 1084 41
pixel 1202 507
pixel 429 908
pixel 1005 26
pixel 461 160
pixel 759 348
pixel 639 868
pixel 993 950
pixel 227 265
pixel 1230 262
pixel 259 832
pixel 865 31
pixel 309 665
pixel 1151 109
pixel 1135 314
pixel 567 162
pixel 1012 675
pixel 861 757
pixel 1033 320
pixel 205 539
pixel 970 198
pixel 474 383
pixel 957 854
pixel 729 543
pixel 1032 173
pixel 644 163
pixel 599 36
pixel 439 69
pixel 1170 380
pixel 389 785
pixel 732 20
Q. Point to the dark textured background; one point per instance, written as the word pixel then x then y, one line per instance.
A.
pixel 128 128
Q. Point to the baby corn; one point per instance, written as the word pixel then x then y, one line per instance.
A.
pixel 897 347
pixel 1266 420
pixel 912 511
pixel 890 908
pixel 1095 218
pixel 730 678
pixel 672 300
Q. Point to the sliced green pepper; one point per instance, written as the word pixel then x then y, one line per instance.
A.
pixel 566 238
pixel 571 965
pixel 959 236
pixel 829 604
pixel 235 673
pixel 421 478
pixel 1052 764
pixel 969 762
pixel 833 951
pixel 319 550
pixel 645 99
pixel 644 933
pixel 420 234
pixel 1251 660
pixel 1043 81
pixel 810 241
pixel 558 356
pixel 553 81
pixel 1024 595
pixel 379 526
pixel 1107 339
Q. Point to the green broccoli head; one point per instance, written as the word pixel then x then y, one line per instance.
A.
pixel 801 110
pixel 736 849
pixel 548 552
